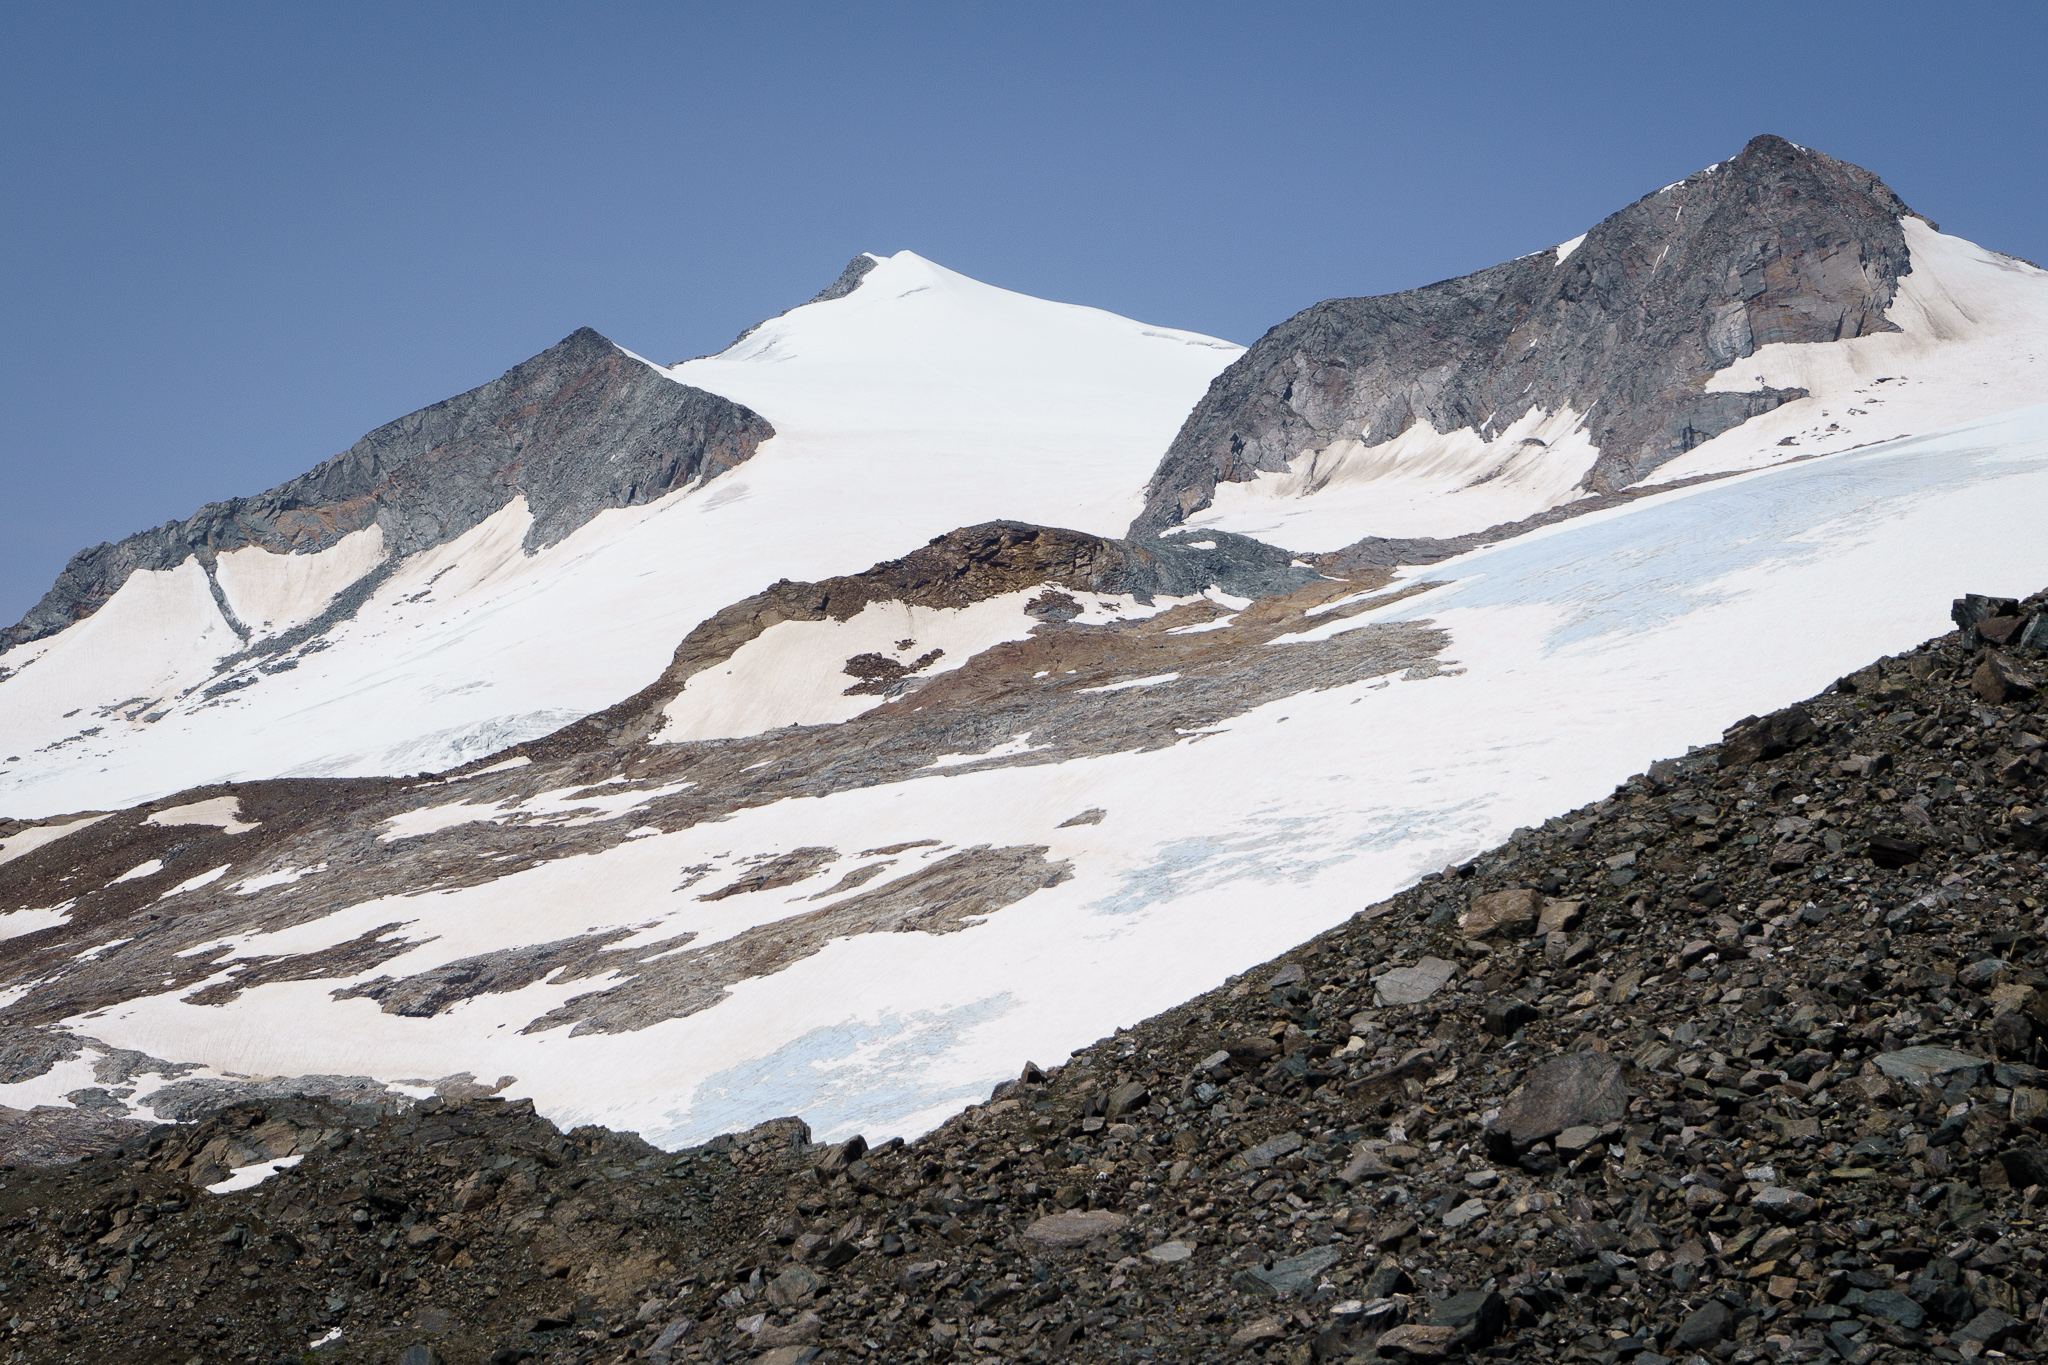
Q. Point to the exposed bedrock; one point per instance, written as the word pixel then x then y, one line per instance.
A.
pixel 1781 244
pixel 580 428
pixel 954 570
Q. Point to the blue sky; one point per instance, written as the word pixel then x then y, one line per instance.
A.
pixel 239 236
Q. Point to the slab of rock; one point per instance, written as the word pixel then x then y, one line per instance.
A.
pixel 1704 1326
pixel 1413 985
pixel 1366 1165
pixel 1266 1153
pixel 1998 681
pixel 1471 1211
pixel 1928 1065
pixel 1558 917
pixel 1755 738
pixel 1256 1333
pixel 1423 1343
pixel 1126 1097
pixel 1989 1327
pixel 1295 1275
pixel 1166 1253
pixel 1890 1303
pixel 1783 1205
pixel 1064 1231
pixel 1475 1317
pixel 1569 1091
pixel 1512 911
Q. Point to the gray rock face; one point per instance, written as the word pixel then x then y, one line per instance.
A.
pixel 1571 1090
pixel 1779 244
pixel 848 281
pixel 580 428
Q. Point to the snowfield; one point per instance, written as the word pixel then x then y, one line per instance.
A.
pixel 1633 634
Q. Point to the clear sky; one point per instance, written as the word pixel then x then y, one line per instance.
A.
pixel 239 236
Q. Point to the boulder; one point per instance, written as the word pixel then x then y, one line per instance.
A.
pixel 1512 911
pixel 1928 1065
pixel 1755 738
pixel 1998 680
pixel 1972 609
pixel 1783 1205
pixel 1475 1318
pixel 1257 1333
pixel 1505 1014
pixel 1413 985
pixel 1559 917
pixel 1294 1275
pixel 1417 1342
pixel 1568 1091
pixel 1064 1231
pixel 1702 1327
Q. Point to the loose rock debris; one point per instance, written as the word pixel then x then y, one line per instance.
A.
pixel 1742 1063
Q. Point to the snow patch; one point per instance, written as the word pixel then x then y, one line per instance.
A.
pixel 1565 249
pixel 1153 681
pixel 1009 748
pixel 249 886
pixel 270 592
pixel 249 1177
pixel 194 883
pixel 15 923
pixel 795 672
pixel 29 840
pixel 139 871
pixel 1423 482
pixel 222 812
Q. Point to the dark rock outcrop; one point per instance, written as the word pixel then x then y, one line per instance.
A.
pixel 580 428
pixel 951 571
pixel 1779 244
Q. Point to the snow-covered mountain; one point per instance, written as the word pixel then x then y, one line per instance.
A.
pixel 1778 304
pixel 850 768
pixel 496 566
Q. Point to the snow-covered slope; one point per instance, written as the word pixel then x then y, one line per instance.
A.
pixel 917 403
pixel 867 835
pixel 792 955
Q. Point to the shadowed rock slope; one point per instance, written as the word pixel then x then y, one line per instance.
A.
pixel 1741 1063
pixel 1779 244
pixel 579 428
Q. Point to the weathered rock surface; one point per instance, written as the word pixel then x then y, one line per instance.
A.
pixel 579 428
pixel 1778 244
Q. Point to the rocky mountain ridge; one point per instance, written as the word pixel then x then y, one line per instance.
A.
pixel 579 428
pixel 1622 327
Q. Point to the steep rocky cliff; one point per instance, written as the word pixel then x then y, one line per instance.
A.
pixel 1622 327
pixel 580 428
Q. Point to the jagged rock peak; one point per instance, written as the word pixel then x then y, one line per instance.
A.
pixel 848 281
pixel 1622 326
pixel 581 427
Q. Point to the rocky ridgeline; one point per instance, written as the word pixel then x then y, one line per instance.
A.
pixel 1743 1062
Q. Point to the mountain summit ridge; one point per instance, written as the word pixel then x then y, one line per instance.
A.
pixel 1620 329
pixel 580 427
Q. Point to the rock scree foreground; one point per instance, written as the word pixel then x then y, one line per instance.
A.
pixel 1741 1063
